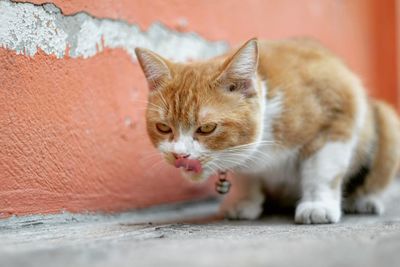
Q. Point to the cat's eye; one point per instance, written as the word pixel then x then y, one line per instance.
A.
pixel 232 87
pixel 207 128
pixel 163 128
pixel 241 85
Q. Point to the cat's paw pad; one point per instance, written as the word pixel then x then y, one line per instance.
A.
pixel 364 205
pixel 244 210
pixel 317 213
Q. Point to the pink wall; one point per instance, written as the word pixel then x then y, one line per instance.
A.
pixel 67 142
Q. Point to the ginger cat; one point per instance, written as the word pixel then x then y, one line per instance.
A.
pixel 288 118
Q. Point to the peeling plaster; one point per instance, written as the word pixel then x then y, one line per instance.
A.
pixel 25 28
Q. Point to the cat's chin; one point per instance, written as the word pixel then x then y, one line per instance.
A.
pixel 196 177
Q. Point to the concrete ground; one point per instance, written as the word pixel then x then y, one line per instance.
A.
pixel 184 235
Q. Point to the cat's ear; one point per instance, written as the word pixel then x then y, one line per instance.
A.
pixel 243 64
pixel 241 67
pixel 155 67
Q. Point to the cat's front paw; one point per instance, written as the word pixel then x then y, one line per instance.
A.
pixel 317 212
pixel 244 210
pixel 364 205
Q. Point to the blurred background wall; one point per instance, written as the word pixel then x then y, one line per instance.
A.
pixel 72 97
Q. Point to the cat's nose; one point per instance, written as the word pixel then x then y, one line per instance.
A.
pixel 180 155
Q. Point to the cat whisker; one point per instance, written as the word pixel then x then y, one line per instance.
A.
pixel 149 158
pixel 254 158
pixel 264 142
pixel 152 153
pixel 228 164
pixel 155 167
pixel 236 162
pixel 239 158
pixel 222 162
pixel 216 167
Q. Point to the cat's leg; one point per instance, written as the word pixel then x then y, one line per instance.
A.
pixel 357 194
pixel 246 199
pixel 364 204
pixel 321 178
pixel 367 197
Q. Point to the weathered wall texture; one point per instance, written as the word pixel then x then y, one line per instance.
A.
pixel 72 96
pixel 71 112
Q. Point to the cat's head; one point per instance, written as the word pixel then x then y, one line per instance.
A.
pixel 204 116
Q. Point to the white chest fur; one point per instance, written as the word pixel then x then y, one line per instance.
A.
pixel 278 170
pixel 276 167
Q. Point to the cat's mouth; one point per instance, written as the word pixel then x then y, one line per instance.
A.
pixel 192 169
pixel 189 165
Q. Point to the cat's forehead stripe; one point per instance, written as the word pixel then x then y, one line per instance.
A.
pixel 185 102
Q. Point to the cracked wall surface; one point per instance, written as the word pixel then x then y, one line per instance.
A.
pixel 71 112
pixel 25 28
pixel 72 97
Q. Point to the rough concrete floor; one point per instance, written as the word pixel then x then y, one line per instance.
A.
pixel 164 237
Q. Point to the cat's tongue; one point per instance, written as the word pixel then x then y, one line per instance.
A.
pixel 190 165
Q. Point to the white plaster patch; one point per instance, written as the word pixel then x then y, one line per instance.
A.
pixel 25 28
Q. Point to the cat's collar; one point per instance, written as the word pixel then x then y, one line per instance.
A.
pixel 223 185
